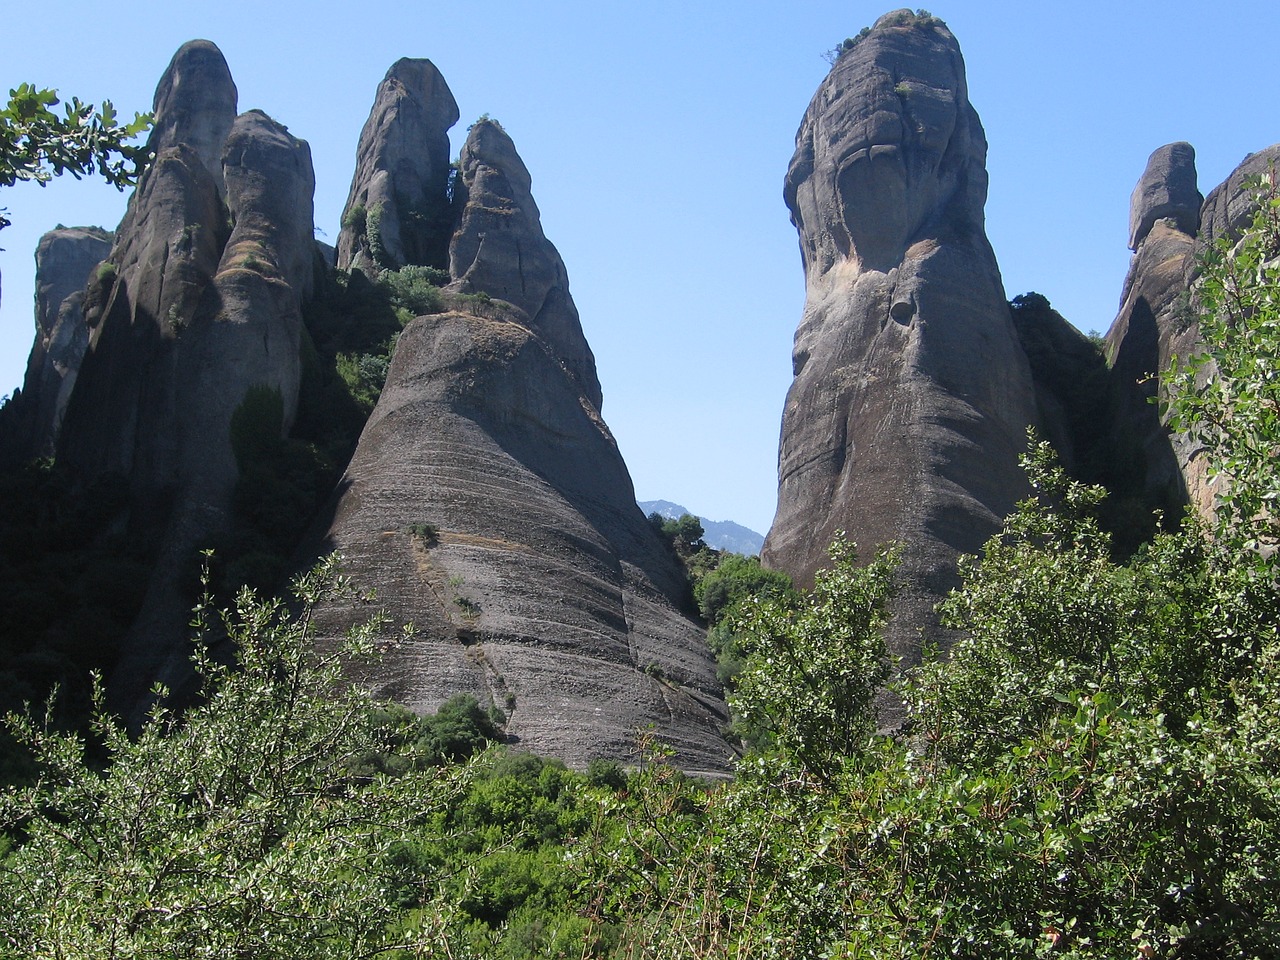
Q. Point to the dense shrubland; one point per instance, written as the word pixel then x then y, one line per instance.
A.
pixel 1094 771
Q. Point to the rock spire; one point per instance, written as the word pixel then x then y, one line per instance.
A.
pixel 911 396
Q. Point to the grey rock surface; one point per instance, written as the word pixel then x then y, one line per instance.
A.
pixel 199 301
pixel 397 210
pixel 488 505
pixel 1167 190
pixel 911 396
pixel 65 261
pixel 499 248
pixel 1157 321
pixel 195 104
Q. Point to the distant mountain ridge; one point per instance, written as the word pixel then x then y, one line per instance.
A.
pixel 720 534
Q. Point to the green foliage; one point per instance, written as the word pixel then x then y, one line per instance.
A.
pixel 235 830
pixel 812 668
pixel 354 218
pixel 415 288
pixel 373 234
pixel 257 424
pixel 428 533
pixel 1227 398
pixel 37 143
pixel 364 374
pixel 735 578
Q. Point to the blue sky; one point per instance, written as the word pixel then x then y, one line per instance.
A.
pixel 657 135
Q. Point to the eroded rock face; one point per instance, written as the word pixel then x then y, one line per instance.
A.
pixel 911 395
pixel 1167 190
pixel 499 249
pixel 1157 317
pixel 65 261
pixel 488 505
pixel 398 211
pixel 195 104
pixel 198 302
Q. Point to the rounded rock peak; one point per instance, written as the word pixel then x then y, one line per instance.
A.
pixel 423 80
pixel 195 103
pixel 1167 190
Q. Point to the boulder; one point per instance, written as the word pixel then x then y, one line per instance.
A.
pixel 397 210
pixel 911 396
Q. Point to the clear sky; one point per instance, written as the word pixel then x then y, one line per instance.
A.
pixel 657 135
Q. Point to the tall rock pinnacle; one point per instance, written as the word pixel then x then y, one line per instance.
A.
pixel 1169 229
pixel 198 303
pixel 397 211
pixel 911 395
pixel 499 249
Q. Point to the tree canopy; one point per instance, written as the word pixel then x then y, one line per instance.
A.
pixel 38 143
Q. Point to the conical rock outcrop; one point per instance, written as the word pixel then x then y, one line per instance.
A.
pixel 488 506
pixel 911 396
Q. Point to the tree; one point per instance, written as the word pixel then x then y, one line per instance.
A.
pixel 241 828
pixel 37 144
pixel 813 667
pixel 1227 397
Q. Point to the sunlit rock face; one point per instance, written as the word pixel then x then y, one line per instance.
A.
pixel 489 507
pixel 911 396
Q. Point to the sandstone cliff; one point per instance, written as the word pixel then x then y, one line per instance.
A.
pixel 911 395
pixel 488 505
pixel 65 260
pixel 1170 227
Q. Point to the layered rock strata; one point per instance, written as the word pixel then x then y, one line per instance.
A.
pixel 489 506
pixel 911 396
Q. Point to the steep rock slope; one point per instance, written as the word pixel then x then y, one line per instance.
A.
pixel 198 302
pixel 488 505
pixel 65 259
pixel 1170 228
pixel 911 395
pixel 397 211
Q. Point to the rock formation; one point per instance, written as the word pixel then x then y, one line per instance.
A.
pixel 199 301
pixel 397 212
pixel 499 249
pixel 1155 321
pixel 65 259
pixel 912 395
pixel 488 505
pixel 1170 227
